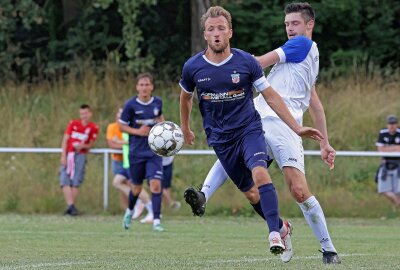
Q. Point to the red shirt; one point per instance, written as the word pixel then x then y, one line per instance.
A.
pixel 78 133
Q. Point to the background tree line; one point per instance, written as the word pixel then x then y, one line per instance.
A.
pixel 49 38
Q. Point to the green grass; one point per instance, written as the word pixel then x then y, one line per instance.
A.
pixel 99 242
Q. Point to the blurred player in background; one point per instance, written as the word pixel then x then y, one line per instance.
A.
pixel 224 79
pixel 168 165
pixel 388 176
pixel 120 169
pixel 293 77
pixel 140 113
pixel 79 137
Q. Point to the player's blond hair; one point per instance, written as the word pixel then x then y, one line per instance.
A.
pixel 214 12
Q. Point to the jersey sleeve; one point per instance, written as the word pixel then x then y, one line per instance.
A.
pixel 68 130
pixel 380 141
pixel 94 133
pixel 295 50
pixel 186 82
pixel 260 83
pixel 127 114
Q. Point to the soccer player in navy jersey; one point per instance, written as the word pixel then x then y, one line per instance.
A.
pixel 140 113
pixel 293 76
pixel 224 78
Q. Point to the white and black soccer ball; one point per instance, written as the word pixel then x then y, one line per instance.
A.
pixel 166 139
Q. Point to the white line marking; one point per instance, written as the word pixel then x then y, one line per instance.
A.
pixel 39 265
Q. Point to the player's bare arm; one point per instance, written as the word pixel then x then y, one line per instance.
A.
pixel 317 113
pixel 389 148
pixel 143 130
pixel 268 59
pixel 186 104
pixel 277 104
pixel 64 143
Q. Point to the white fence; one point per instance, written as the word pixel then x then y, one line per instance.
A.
pixel 106 152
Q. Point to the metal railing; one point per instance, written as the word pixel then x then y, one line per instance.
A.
pixel 106 155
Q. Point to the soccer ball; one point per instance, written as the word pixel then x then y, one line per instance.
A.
pixel 165 139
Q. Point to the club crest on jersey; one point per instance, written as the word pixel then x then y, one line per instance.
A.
pixel 235 77
pixel 156 111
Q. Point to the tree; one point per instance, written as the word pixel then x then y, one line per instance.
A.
pixel 198 8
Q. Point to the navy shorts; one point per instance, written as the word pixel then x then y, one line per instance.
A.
pixel 240 156
pixel 124 172
pixel 167 176
pixel 142 168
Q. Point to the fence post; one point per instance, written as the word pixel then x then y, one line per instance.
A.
pixel 105 181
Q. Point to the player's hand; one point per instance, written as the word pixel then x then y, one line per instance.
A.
pixel 328 155
pixel 189 136
pixel 143 131
pixel 312 133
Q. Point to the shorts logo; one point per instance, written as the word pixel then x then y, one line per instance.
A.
pixel 235 77
pixel 258 153
pixel 293 159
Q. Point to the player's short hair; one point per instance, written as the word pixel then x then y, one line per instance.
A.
pixel 84 106
pixel 145 75
pixel 306 10
pixel 214 12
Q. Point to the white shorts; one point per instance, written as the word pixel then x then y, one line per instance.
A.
pixel 283 143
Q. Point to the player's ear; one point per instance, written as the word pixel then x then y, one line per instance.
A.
pixel 230 33
pixel 310 24
pixel 204 35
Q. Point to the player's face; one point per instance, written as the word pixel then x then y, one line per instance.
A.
pixel 85 115
pixel 217 33
pixel 296 25
pixel 392 128
pixel 144 87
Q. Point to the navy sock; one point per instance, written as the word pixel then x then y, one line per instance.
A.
pixel 131 200
pixel 156 201
pixel 269 205
pixel 258 209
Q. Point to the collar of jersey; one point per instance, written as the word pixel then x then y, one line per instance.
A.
pixel 220 63
pixel 144 103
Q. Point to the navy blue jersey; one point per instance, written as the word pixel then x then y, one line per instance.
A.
pixel 137 113
pixel 225 93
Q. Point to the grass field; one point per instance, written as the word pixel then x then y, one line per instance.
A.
pixel 99 242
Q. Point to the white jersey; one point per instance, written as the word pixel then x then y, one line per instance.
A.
pixel 293 77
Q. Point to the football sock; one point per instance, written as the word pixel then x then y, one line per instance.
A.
pixel 156 201
pixel 269 205
pixel 149 207
pixel 258 209
pixel 215 178
pixel 315 218
pixel 131 200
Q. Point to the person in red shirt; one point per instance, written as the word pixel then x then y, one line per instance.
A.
pixel 79 137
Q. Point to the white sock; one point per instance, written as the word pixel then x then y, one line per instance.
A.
pixel 129 211
pixel 283 231
pixel 156 222
pixel 215 178
pixel 315 218
pixel 149 207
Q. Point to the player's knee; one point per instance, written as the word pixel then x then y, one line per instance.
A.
pixel 260 176
pixel 155 186
pixel 298 193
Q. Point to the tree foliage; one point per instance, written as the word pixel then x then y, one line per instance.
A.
pixel 49 38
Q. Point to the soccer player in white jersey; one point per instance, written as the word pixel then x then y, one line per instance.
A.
pixel 293 76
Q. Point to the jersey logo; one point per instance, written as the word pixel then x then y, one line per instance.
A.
pixel 225 96
pixel 397 140
pixel 204 80
pixel 235 77
pixel 156 111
